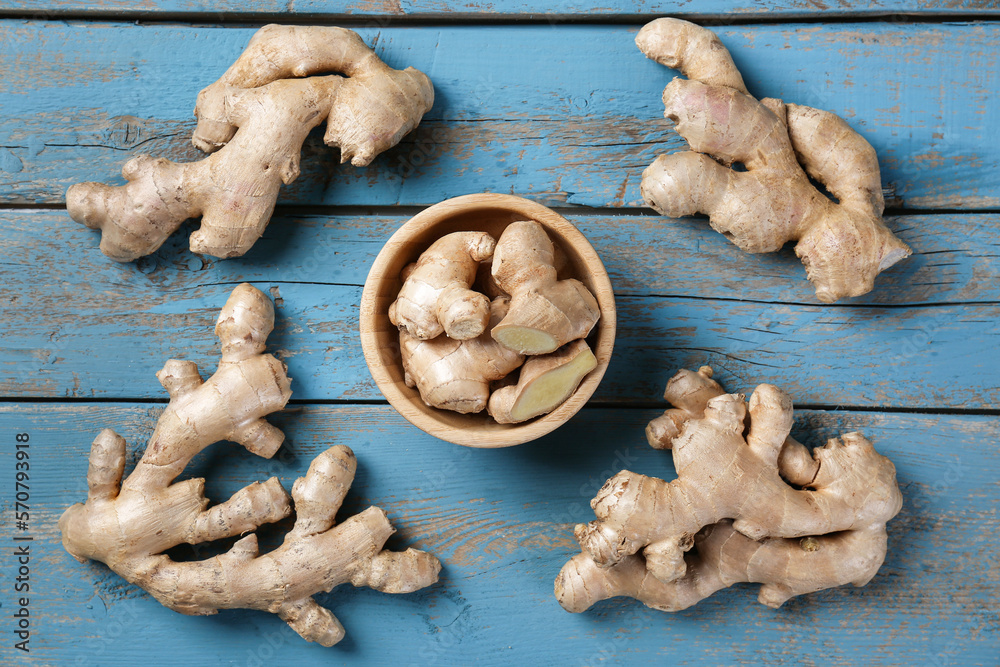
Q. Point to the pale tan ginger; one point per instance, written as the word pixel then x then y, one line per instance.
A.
pixel 721 557
pixel 486 284
pixel 456 374
pixel 257 116
pixel 128 525
pixel 544 383
pixel 690 393
pixel 730 467
pixel 436 297
pixel 545 312
pixel 844 244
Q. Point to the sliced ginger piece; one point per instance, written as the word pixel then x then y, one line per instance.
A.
pixel 545 382
pixel 545 312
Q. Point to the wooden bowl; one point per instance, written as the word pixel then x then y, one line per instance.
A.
pixel 380 339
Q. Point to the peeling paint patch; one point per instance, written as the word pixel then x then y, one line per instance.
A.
pixel 9 162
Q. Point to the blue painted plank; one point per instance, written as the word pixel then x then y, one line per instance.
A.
pixel 501 521
pixel 82 326
pixel 918 357
pixel 898 10
pixel 531 113
pixel 954 261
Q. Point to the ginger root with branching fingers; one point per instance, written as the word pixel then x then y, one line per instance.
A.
pixel 722 556
pixel 690 393
pixel 129 524
pixel 256 117
pixel 844 244
pixel 731 515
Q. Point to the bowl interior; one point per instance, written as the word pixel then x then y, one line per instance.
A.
pixel 380 339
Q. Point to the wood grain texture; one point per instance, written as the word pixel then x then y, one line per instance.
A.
pixel 567 115
pixel 80 99
pixel 955 257
pixel 81 326
pixel 483 10
pixel 501 521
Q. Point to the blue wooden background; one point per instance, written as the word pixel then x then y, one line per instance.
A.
pixel 548 99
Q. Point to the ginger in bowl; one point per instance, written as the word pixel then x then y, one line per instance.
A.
pixel 472 289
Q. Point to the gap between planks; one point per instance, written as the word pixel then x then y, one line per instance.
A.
pixel 593 405
pixel 431 20
pixel 334 210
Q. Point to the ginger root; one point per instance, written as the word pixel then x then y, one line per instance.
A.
pixel 129 524
pixel 256 117
pixel 457 344
pixel 844 244
pixel 545 312
pixel 722 556
pixel 436 297
pixel 690 393
pixel 545 382
pixel 456 374
pixel 729 516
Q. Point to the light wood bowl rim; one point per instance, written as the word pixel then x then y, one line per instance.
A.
pixel 476 430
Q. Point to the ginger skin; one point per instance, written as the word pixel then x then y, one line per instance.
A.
pixel 532 312
pixel 730 462
pixel 456 374
pixel 256 117
pixel 129 524
pixel 545 312
pixel 436 297
pixel 721 557
pixel 690 393
pixel 844 244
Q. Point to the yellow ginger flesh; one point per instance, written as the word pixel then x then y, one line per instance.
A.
pixel 545 382
pixel 545 313
pixel 844 244
pixel 129 524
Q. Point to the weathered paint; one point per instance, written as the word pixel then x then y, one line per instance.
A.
pixel 95 328
pixel 568 115
pixel 501 520
pixel 483 10
pixel 79 99
pixel 954 261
